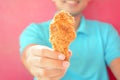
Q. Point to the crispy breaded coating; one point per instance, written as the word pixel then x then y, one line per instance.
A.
pixel 62 32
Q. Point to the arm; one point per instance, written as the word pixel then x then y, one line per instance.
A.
pixel 44 63
pixel 112 51
pixel 115 68
pixel 41 61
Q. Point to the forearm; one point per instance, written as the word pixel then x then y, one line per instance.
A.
pixel 115 68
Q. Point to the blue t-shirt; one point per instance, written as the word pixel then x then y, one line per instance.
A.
pixel 96 45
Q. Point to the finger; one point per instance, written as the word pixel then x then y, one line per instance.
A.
pixel 69 53
pixel 47 73
pixel 48 63
pixel 58 77
pixel 44 51
pixel 39 73
pixel 54 72
pixel 43 78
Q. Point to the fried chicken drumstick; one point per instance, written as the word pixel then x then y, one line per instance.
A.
pixel 62 32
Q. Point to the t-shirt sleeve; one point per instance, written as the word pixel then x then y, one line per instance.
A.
pixel 112 47
pixel 29 36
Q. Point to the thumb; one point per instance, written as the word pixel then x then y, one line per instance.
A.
pixel 69 53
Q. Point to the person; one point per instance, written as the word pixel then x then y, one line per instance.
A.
pixel 96 46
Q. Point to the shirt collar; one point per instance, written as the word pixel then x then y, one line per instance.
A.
pixel 83 26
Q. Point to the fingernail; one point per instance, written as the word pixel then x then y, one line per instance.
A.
pixel 70 54
pixel 61 57
pixel 66 64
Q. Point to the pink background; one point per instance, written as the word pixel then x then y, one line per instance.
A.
pixel 15 15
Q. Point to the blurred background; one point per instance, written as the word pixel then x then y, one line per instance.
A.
pixel 15 15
